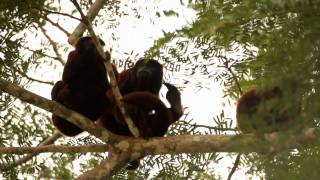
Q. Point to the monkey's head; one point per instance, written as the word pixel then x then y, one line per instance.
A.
pixel 86 44
pixel 149 74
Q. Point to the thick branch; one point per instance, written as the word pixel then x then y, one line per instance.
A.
pixel 186 144
pixel 54 148
pixel 245 143
pixel 114 86
pixel 199 144
pixel 91 14
pixel 58 109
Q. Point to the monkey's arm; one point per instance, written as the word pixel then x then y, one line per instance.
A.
pixel 174 98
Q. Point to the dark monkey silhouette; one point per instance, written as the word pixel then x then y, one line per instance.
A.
pixel 83 86
pixel 140 86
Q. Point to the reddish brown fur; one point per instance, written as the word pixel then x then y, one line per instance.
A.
pixel 145 75
pixel 83 86
pixel 259 111
pixel 140 86
pixel 139 105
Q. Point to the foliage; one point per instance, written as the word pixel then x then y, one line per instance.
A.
pixel 280 47
pixel 240 44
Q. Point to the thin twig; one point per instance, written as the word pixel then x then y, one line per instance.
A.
pixel 209 127
pixel 57 25
pixel 40 52
pixel 54 12
pixel 31 78
pixel 134 130
pixel 55 149
pixel 49 140
pixel 235 166
pixel 53 44
pixel 235 78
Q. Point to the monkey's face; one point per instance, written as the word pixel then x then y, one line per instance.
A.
pixel 149 74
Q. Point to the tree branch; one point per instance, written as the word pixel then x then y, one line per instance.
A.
pixel 53 44
pixel 41 53
pixel 54 148
pixel 245 143
pixel 47 141
pixel 207 127
pixel 235 78
pixel 31 78
pixel 235 166
pixel 54 12
pixel 134 148
pixel 60 110
pixel 57 25
pixel 91 14
pixel 114 86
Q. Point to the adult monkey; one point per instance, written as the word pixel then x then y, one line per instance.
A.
pixel 83 86
pixel 140 86
pixel 263 111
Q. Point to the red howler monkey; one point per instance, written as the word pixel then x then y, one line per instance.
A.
pixel 140 86
pixel 83 86
pixel 260 111
pixel 148 113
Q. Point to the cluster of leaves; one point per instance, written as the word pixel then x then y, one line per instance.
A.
pixel 15 16
pixel 279 45
pixel 18 121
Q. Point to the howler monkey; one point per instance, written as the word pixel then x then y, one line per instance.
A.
pixel 140 86
pixel 148 113
pixel 83 86
pixel 263 111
